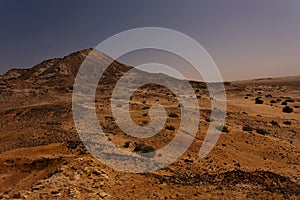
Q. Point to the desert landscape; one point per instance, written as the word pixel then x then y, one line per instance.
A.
pixel 42 157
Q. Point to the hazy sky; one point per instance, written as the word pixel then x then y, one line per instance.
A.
pixel 246 39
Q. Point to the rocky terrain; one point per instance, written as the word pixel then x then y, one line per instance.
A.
pixel 42 157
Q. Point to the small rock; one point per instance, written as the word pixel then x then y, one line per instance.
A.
pixel 97 172
pixel 103 194
pixel 16 195
pixel 77 177
pixel 105 176
pixel 74 193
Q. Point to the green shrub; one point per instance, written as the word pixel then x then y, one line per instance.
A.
pixel 287 123
pixel 273 101
pixel 287 109
pixel 147 149
pixel 247 128
pixel 174 115
pixel 18 113
pixel 209 120
pixel 287 101
pixel 126 144
pixel 258 100
pixel 261 131
pixel 274 123
pixel 138 147
pixel 290 100
pixel 223 129
pixel 142 148
pixel 82 151
pixel 171 128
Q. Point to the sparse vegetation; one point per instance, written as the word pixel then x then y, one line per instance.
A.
pixel 223 129
pixel 287 123
pixel 18 113
pixel 287 109
pixel 284 103
pixel 258 100
pixel 287 101
pixel 274 123
pixel 173 115
pixel 37 123
pixel 142 148
pixel 290 101
pixel 171 128
pixel 126 144
pixel 247 128
pixel 147 149
pixel 82 151
pixel 209 120
pixel 262 131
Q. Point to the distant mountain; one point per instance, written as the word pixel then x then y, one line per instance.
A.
pixel 58 72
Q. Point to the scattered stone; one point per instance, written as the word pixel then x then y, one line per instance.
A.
pixel 16 195
pixel 74 193
pixel 103 194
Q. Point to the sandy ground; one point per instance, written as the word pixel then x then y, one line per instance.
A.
pixel 41 155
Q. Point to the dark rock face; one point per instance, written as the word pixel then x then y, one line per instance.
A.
pixel 264 180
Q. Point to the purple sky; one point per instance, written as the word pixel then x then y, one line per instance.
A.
pixel 246 39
